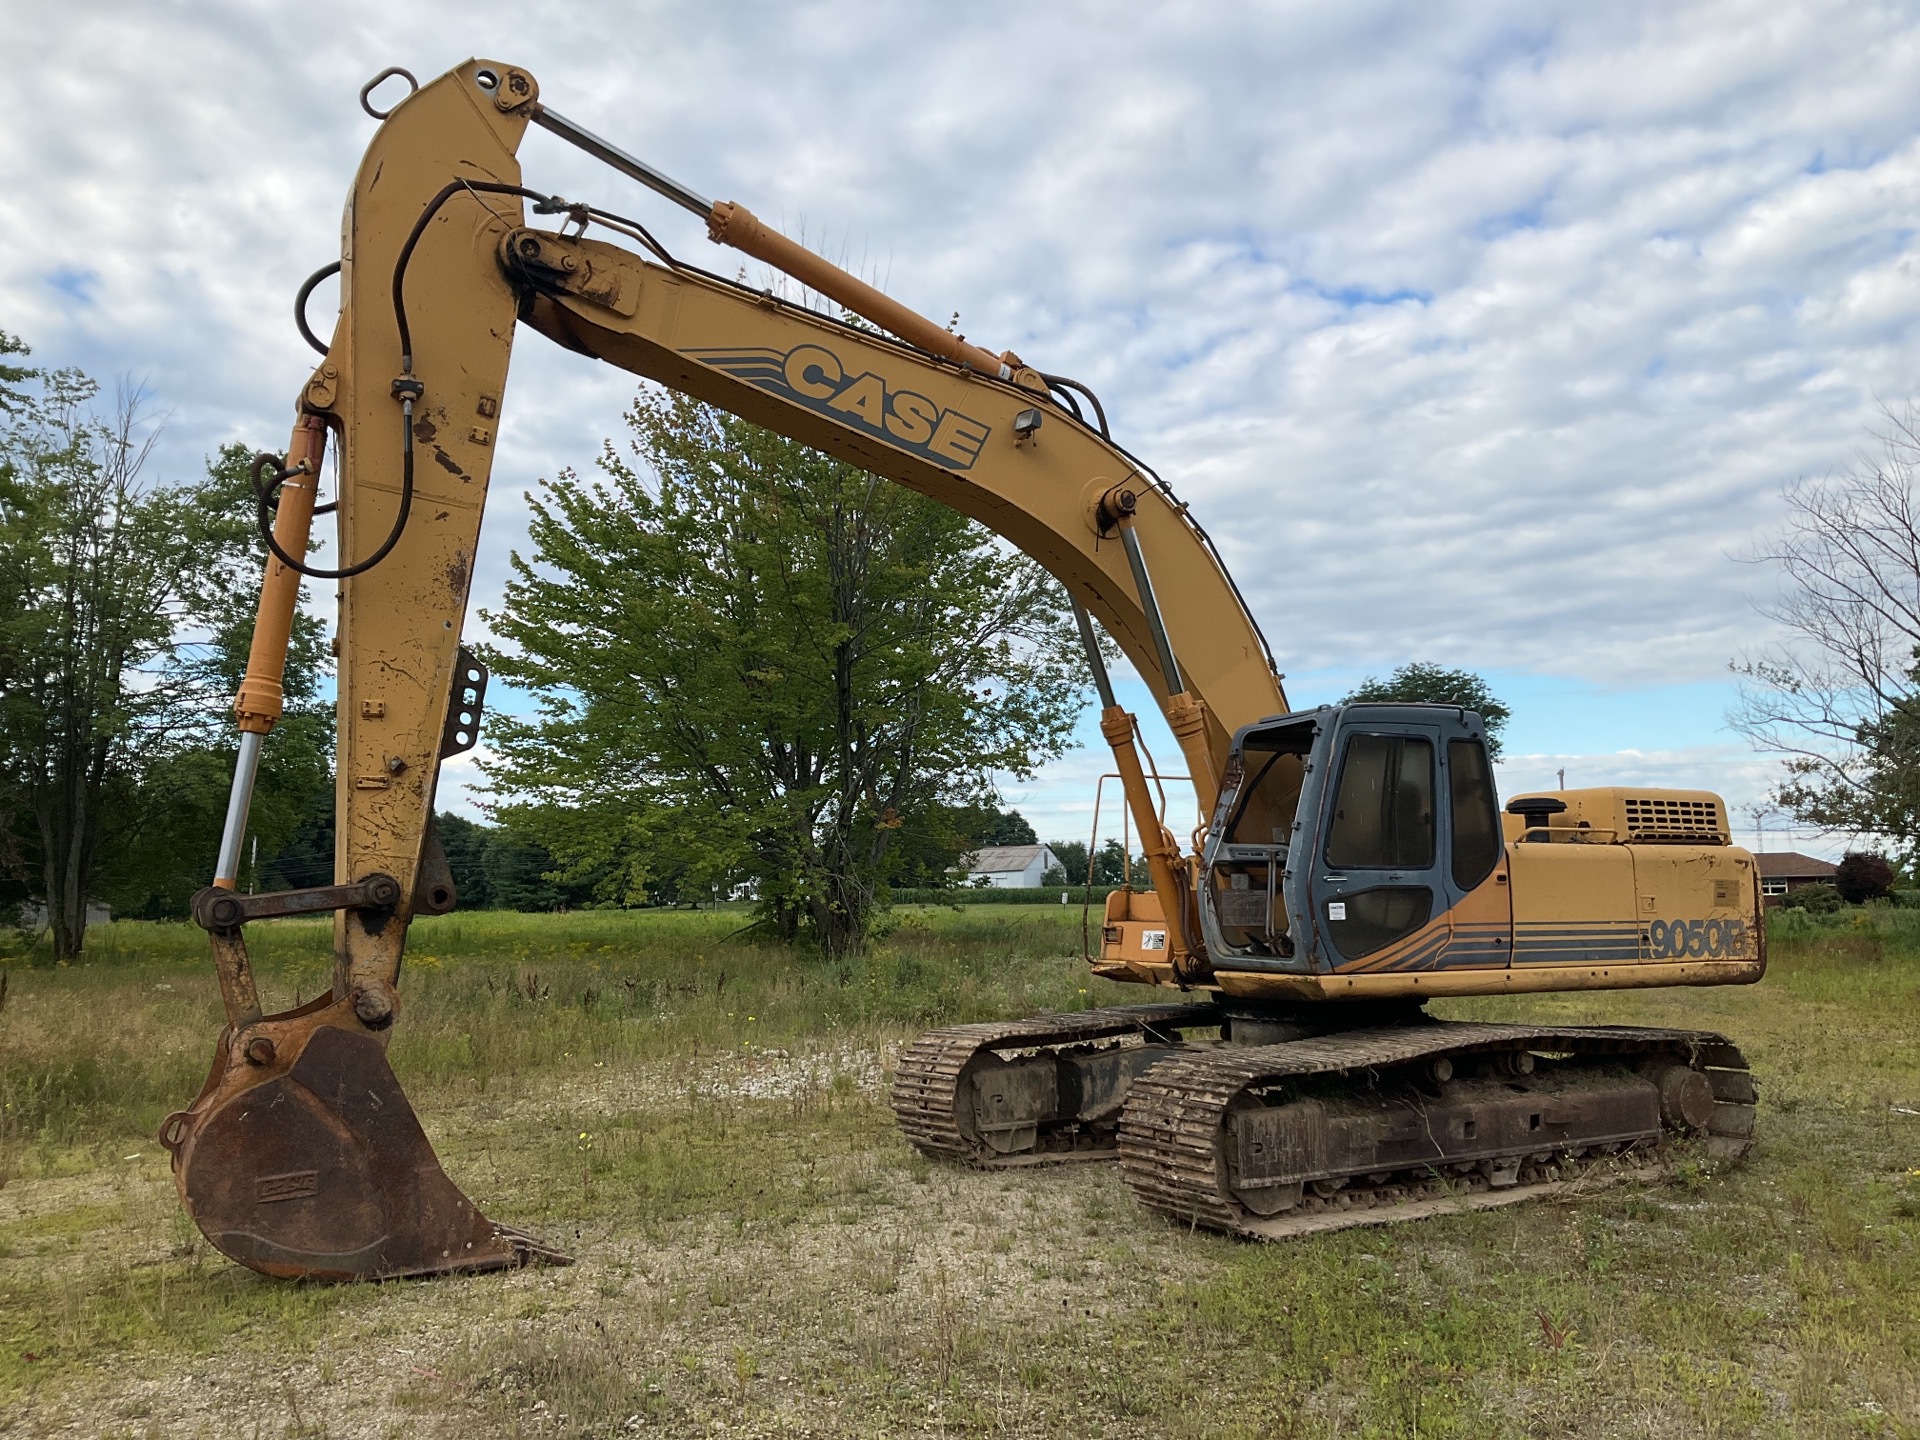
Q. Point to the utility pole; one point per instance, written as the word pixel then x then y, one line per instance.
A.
pixel 1563 777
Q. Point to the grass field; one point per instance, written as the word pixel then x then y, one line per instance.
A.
pixel 703 1123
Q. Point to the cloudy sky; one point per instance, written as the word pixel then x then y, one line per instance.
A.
pixel 1479 333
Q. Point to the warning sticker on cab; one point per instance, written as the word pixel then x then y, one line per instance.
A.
pixel 1336 910
pixel 1153 939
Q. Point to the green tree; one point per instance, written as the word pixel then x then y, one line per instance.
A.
pixel 1072 855
pixel 754 662
pixel 1418 683
pixel 14 399
pixel 928 845
pixel 1839 694
pixel 521 870
pixel 93 559
pixel 466 845
pixel 928 848
pixel 1110 866
pixel 121 605
pixel 516 873
pixel 1007 827
pixel 1862 876
pixel 162 848
pixel 16 829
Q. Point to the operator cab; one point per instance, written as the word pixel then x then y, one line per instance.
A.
pixel 1342 830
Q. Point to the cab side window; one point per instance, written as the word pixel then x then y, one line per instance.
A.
pixel 1263 813
pixel 1383 816
pixel 1476 813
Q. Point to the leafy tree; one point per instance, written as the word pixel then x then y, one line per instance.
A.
pixel 516 873
pixel 466 845
pixel 1005 828
pixel 927 847
pixel 94 565
pixel 163 847
pixel 1814 899
pixel 306 858
pixel 1418 683
pixel 1862 876
pixel 124 611
pixel 1072 855
pixel 930 847
pixel 523 873
pixel 754 662
pixel 1110 866
pixel 13 398
pixel 1839 696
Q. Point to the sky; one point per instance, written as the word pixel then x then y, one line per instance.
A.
pixel 1484 334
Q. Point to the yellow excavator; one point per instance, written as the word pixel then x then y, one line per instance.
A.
pixel 1355 863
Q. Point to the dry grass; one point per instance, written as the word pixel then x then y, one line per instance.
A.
pixel 704 1124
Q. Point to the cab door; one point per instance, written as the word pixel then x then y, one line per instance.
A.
pixel 1378 867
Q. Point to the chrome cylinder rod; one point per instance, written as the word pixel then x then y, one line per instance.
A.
pixel 1096 662
pixel 226 870
pixel 609 153
pixel 1142 582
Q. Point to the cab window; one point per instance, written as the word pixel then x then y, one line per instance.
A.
pixel 1268 796
pixel 1383 814
pixel 1476 814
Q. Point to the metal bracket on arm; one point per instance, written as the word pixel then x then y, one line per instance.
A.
pixel 219 910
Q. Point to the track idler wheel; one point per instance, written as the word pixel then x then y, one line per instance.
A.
pixel 302 1159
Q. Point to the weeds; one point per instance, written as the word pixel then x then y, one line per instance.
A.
pixel 701 1120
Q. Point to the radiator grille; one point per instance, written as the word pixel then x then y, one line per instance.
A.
pixel 1675 822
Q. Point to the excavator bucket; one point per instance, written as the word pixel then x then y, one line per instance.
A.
pixel 301 1158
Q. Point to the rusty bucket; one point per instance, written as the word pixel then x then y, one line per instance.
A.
pixel 301 1158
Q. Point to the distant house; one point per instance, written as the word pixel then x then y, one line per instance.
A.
pixel 1009 867
pixel 1784 871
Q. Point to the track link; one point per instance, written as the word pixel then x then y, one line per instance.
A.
pixel 1173 1129
pixel 927 1085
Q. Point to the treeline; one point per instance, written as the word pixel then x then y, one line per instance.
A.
pixel 756 672
pixel 502 867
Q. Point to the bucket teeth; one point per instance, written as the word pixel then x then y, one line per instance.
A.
pixel 318 1169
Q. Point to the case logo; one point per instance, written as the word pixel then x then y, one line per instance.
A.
pixel 812 375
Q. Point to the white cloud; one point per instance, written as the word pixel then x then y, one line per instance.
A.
pixel 1481 333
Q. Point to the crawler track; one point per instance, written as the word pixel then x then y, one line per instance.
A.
pixel 927 1086
pixel 1172 1145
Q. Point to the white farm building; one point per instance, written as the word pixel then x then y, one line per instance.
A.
pixel 1009 867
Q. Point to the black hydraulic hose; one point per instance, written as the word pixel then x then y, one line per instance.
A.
pixel 406 389
pixel 1061 382
pixel 300 304
pixel 264 493
pixel 543 205
pixel 1247 793
pixel 447 192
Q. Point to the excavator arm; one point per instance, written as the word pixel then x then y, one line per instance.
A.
pixel 437 266
pixel 301 1156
